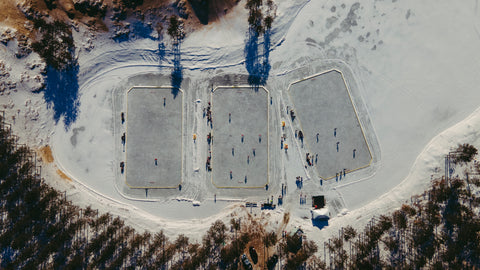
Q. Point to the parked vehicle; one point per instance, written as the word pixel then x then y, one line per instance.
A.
pixel 246 263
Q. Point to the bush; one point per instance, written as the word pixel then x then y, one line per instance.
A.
pixel 56 45
pixel 464 153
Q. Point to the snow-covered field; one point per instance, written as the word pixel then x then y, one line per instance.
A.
pixel 414 65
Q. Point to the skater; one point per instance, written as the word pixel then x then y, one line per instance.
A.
pixel 207 164
pixel 300 136
pixel 156 162
pixel 248 159
pixel 253 150
pixel 335 132
pixel 164 102
pixel 317 137
pixel 242 138
pixel 123 117
pixel 123 138
pixel 316 158
pixel 230 174
pixel 354 150
pixel 229 117
pixel 122 166
pixel 286 148
pixel 233 151
pixel 259 138
pixel 337 145
pixel 245 179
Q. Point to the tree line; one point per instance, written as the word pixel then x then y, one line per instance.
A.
pixel 40 228
pixel 440 229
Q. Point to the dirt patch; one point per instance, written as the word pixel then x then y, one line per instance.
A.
pixel 46 154
pixel 11 15
pixel 63 175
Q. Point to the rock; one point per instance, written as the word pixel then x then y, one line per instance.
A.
pixel 91 7
pixel 6 35
pixel 24 46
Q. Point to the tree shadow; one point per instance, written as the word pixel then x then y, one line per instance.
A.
pixel 161 52
pixel 257 64
pixel 177 72
pixel 136 30
pixel 61 93
pixel 319 223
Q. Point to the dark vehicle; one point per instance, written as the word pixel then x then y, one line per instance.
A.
pixel 253 255
pixel 272 262
pixel 246 263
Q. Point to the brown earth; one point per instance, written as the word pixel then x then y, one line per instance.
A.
pixel 12 16
pixel 46 154
pixel 63 175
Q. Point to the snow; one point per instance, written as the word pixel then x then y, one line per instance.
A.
pixel 415 64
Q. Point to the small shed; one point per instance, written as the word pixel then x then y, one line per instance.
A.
pixel 318 202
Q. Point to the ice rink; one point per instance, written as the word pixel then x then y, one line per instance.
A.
pixel 240 137
pixel 153 138
pixel 325 115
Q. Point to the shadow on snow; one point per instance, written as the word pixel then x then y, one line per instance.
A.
pixel 177 72
pixel 136 30
pixel 61 93
pixel 257 65
pixel 320 223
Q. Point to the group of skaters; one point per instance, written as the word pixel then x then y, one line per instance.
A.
pixel 208 164
pixel 208 113
pixel 303 198
pixel 299 135
pixel 299 182
pixel 338 175
pixel 124 138
pixel 244 180
pixel 310 159
pixel 284 189
pixel 291 112
pixel 209 138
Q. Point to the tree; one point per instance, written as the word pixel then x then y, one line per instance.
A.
pixel 175 29
pixel 464 153
pixel 181 244
pixel 270 239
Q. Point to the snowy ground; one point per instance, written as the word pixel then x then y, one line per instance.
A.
pixel 413 66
